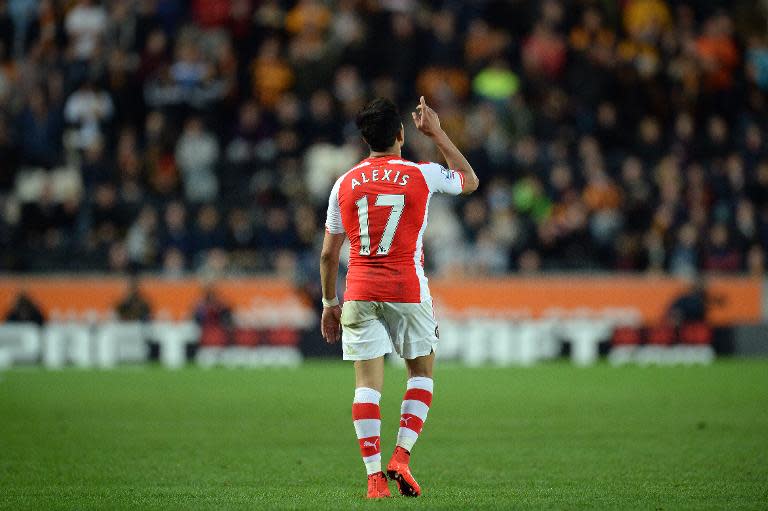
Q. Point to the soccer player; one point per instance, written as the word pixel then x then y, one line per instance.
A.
pixel 381 206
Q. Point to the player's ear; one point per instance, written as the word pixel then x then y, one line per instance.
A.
pixel 401 134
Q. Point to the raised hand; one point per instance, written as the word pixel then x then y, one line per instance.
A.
pixel 426 119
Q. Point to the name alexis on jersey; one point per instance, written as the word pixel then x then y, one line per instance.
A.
pixel 383 175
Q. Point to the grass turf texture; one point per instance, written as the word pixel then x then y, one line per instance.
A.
pixel 547 437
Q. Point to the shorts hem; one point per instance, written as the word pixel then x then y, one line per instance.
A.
pixel 431 346
pixel 364 356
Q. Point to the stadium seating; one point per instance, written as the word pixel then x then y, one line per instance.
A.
pixel 582 167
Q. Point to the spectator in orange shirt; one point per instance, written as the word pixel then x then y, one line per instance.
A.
pixel 592 36
pixel 646 19
pixel 717 53
pixel 270 74
pixel 601 193
pixel 307 15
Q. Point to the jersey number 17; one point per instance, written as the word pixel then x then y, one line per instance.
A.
pixel 397 203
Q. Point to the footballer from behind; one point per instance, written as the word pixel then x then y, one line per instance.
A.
pixel 381 205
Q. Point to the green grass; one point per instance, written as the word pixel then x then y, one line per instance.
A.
pixel 548 437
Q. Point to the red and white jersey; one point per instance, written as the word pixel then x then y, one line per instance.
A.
pixel 381 204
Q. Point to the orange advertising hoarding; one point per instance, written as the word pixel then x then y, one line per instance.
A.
pixel 736 299
pixel 739 299
pixel 170 299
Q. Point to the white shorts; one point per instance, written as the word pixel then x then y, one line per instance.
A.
pixel 372 329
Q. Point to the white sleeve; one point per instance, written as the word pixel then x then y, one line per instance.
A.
pixel 333 218
pixel 442 180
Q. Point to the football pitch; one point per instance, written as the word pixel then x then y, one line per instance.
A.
pixel 548 437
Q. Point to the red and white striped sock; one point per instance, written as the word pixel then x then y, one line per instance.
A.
pixel 413 412
pixel 367 417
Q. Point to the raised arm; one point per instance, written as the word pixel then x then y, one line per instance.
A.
pixel 428 123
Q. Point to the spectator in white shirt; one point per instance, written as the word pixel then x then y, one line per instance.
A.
pixel 88 108
pixel 86 24
pixel 196 154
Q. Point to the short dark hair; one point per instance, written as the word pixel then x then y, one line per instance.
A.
pixel 379 123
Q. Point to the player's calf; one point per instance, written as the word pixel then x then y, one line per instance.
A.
pixel 413 414
pixel 414 410
pixel 366 415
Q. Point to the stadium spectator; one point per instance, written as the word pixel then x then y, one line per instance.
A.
pixel 721 255
pixel 208 233
pixel 174 263
pixel 134 306
pixel 118 258
pixel 693 305
pixel 95 168
pixel 241 232
pixel 214 318
pixel 685 255
pixel 756 264
pixel 24 310
pixel 175 233
pixel 717 53
pixel 88 110
pixel 757 62
pixel 48 225
pixel 40 128
pixel 646 19
pixel 86 24
pixel 544 53
pixel 142 239
pixel 197 152
pixel 271 74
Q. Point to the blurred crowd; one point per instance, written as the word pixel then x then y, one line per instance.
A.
pixel 174 136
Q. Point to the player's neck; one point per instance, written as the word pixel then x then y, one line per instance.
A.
pixel 392 151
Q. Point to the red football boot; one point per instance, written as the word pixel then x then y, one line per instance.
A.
pixel 377 486
pixel 399 470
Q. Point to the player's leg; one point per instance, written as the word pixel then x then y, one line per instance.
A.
pixel 366 414
pixel 413 414
pixel 417 329
pixel 370 373
pixel 417 400
pixel 365 340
